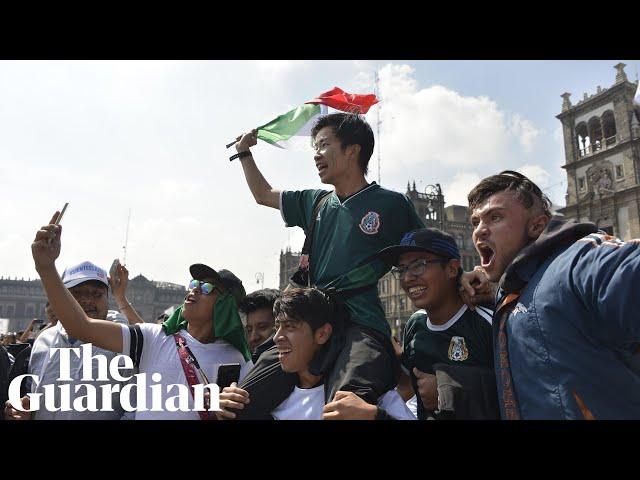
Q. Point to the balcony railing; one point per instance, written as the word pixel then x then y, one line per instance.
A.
pixel 602 144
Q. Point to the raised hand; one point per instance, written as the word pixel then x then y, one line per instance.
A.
pixel 46 246
pixel 475 288
pixel 119 283
pixel 247 140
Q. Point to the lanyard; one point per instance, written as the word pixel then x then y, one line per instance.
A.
pixel 189 361
pixel 508 397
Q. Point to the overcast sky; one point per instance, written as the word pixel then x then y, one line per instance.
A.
pixel 109 136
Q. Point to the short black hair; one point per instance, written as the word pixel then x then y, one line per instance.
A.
pixel 309 305
pixel 527 192
pixel 351 129
pixel 264 298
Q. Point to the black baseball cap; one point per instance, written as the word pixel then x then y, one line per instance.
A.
pixel 224 278
pixel 431 240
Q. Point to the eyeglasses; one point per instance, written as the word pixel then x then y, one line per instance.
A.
pixel 205 287
pixel 415 268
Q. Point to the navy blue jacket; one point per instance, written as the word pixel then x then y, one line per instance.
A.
pixel 573 331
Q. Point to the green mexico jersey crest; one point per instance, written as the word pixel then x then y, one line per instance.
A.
pixel 349 231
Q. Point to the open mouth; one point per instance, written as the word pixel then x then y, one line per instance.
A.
pixel 486 254
pixel 283 353
pixel 321 168
pixel 416 292
pixel 191 298
pixel 91 312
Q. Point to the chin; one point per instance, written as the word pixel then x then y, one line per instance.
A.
pixel 420 304
pixel 495 274
pixel 286 369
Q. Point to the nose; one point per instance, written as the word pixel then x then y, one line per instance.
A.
pixel 277 334
pixel 480 231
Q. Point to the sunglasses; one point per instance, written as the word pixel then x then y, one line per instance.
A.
pixel 205 287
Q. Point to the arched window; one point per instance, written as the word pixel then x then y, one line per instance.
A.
pixel 595 133
pixel 609 127
pixel 582 139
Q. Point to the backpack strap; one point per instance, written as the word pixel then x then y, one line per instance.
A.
pixel 305 254
pixel 308 241
pixel 136 343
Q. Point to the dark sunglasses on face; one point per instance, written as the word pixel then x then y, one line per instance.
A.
pixel 416 268
pixel 205 287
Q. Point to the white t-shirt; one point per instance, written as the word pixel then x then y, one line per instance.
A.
pixel 160 355
pixel 47 368
pixel 308 403
pixel 412 404
pixel 302 404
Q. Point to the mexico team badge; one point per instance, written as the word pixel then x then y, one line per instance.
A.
pixel 370 223
pixel 458 351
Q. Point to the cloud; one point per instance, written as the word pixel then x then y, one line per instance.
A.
pixel 558 135
pixel 524 130
pixel 459 187
pixel 435 134
pixel 536 173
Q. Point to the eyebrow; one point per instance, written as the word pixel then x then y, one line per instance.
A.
pixel 287 322
pixel 414 261
pixel 488 212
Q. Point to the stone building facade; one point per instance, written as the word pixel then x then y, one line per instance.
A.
pixel 22 300
pixel 602 154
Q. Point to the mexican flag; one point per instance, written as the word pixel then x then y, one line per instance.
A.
pixel 295 126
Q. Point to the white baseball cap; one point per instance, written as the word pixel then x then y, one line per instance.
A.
pixel 83 272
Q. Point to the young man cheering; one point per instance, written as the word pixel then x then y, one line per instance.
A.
pixel 306 320
pixel 356 220
pixel 566 327
pixel 443 340
pixel 203 333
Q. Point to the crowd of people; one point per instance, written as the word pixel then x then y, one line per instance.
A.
pixel 546 328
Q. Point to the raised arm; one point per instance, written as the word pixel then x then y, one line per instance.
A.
pixel 25 335
pixel 119 289
pixel 104 334
pixel 260 188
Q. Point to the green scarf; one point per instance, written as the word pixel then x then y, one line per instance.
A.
pixel 225 321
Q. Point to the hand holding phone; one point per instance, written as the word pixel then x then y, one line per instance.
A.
pixel 113 272
pixel 59 219
pixel 227 374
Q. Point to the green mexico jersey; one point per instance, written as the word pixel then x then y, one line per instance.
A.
pixel 466 339
pixel 348 232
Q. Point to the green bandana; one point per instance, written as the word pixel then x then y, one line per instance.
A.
pixel 226 324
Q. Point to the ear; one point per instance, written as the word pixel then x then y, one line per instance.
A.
pixel 536 225
pixel 354 150
pixel 452 268
pixel 323 334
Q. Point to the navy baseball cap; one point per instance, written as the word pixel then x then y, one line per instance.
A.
pixel 430 240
